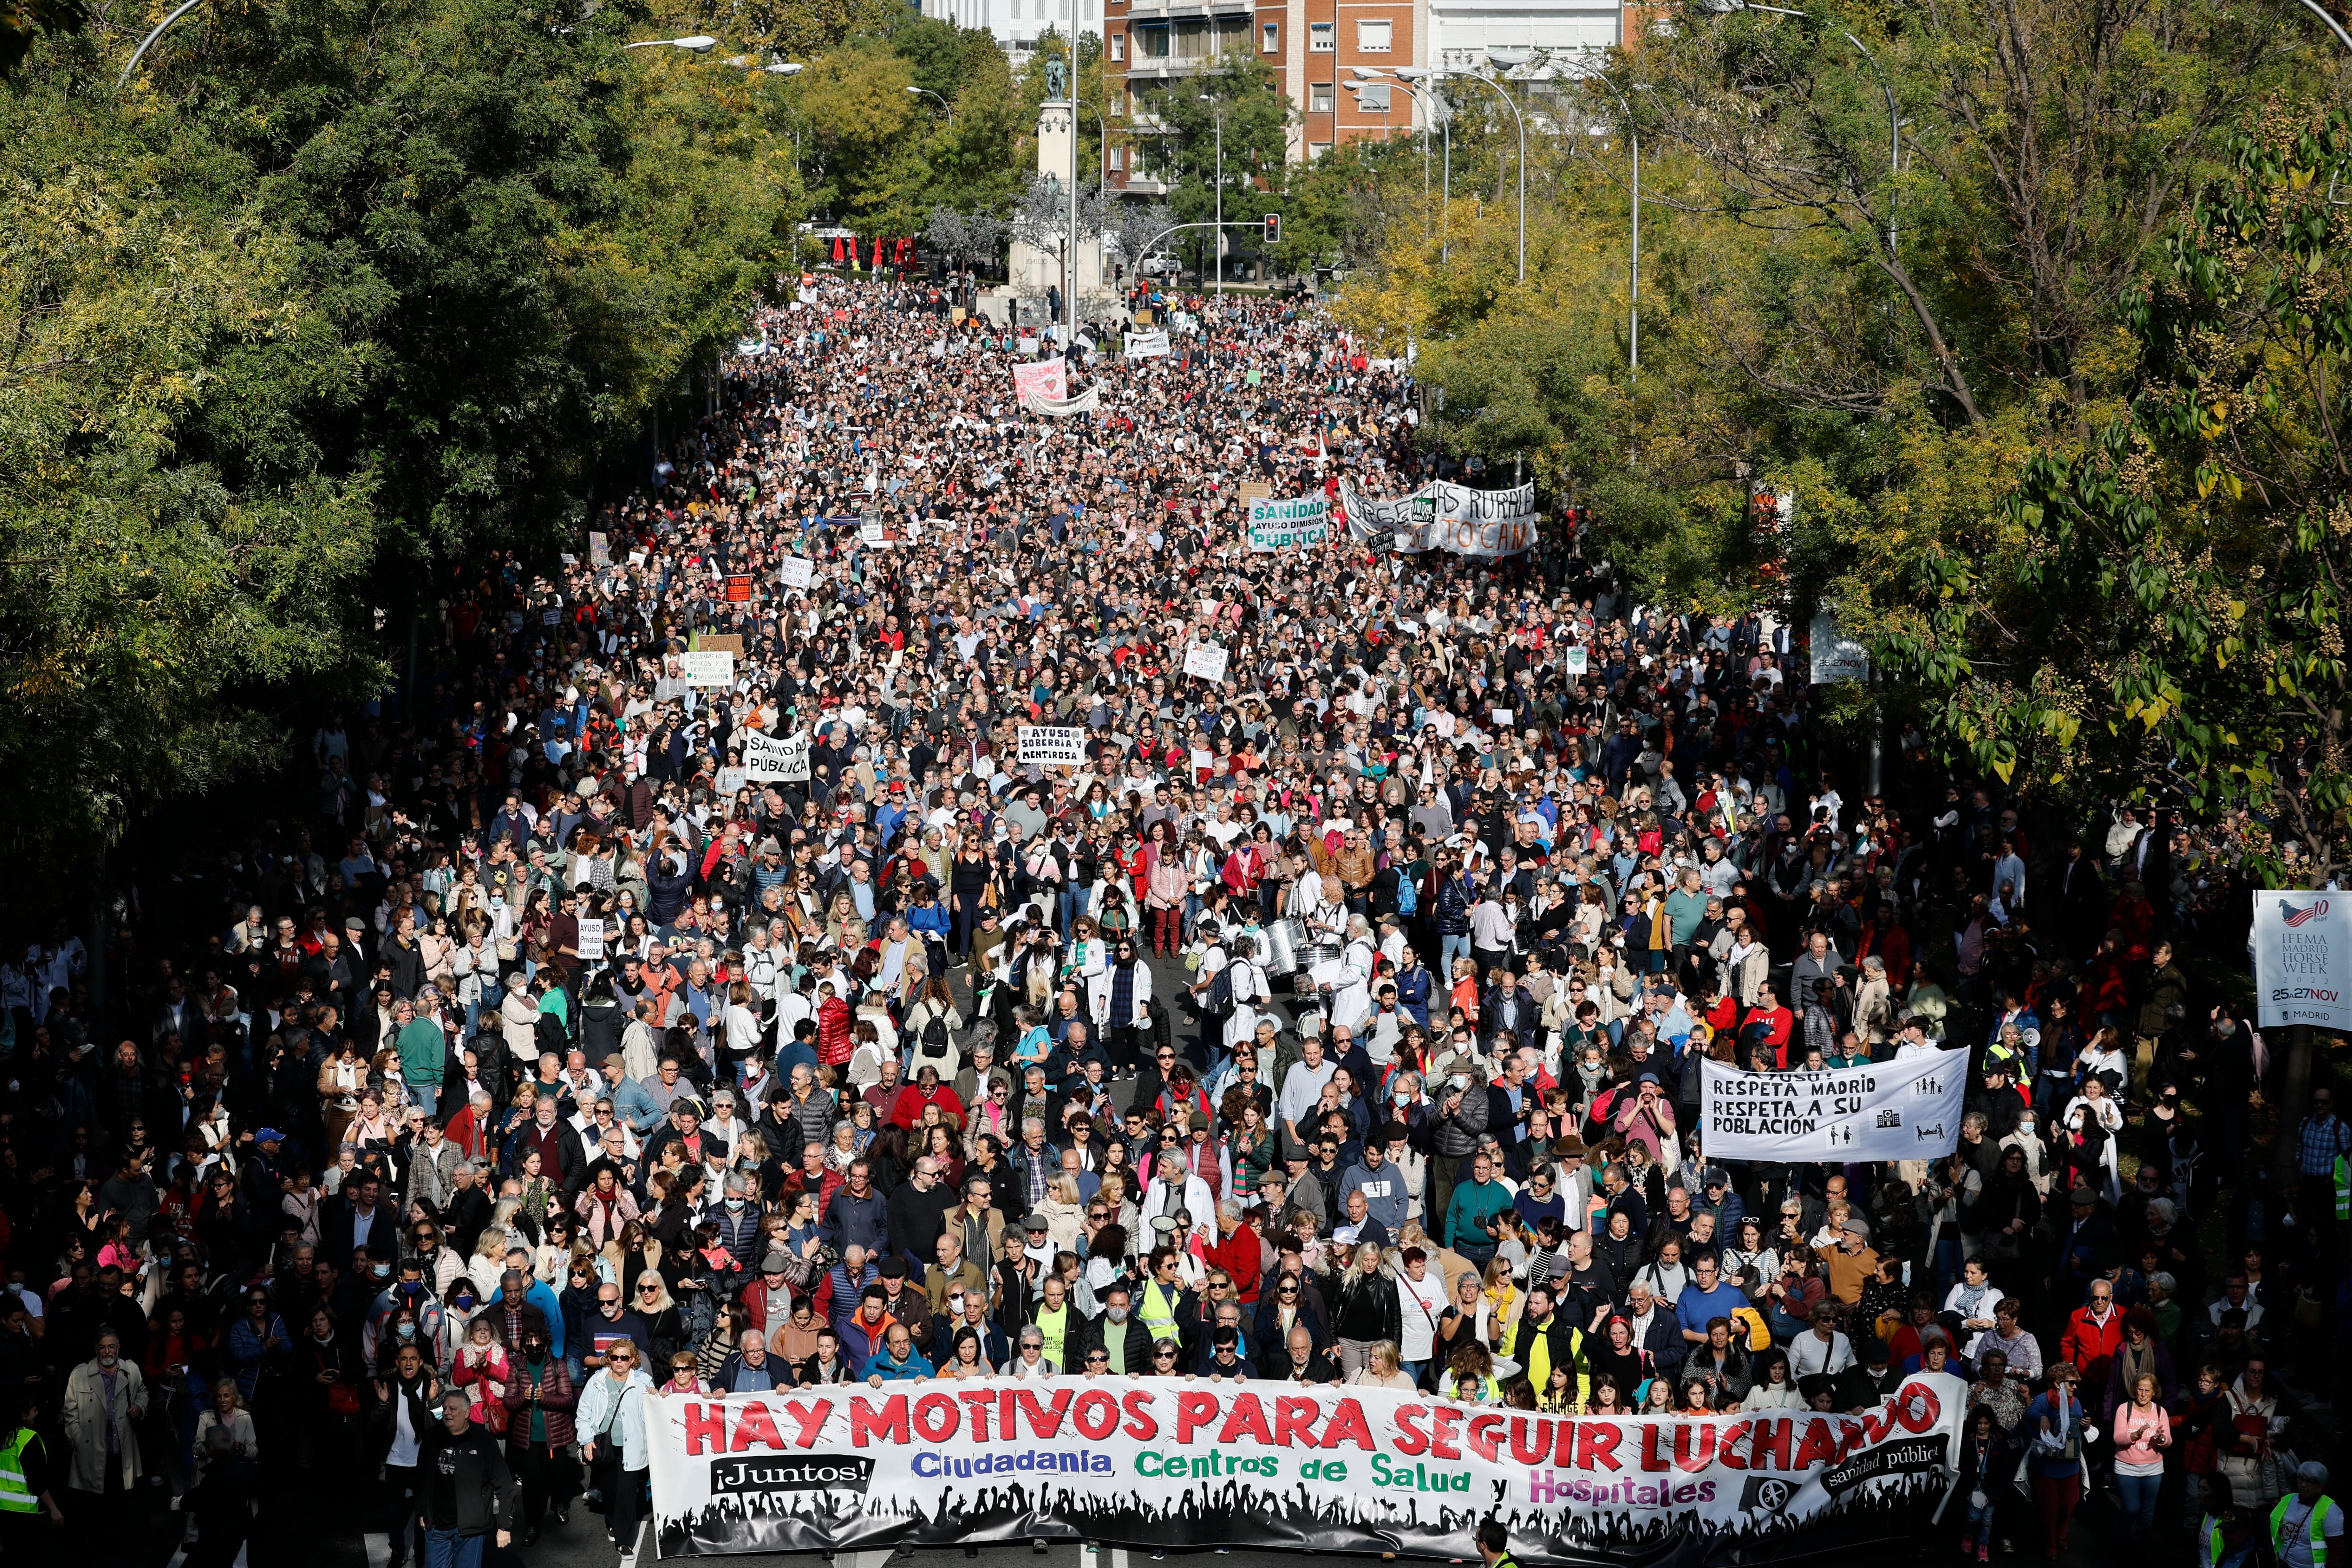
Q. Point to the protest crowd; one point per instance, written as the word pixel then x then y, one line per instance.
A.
pixel 1334 1021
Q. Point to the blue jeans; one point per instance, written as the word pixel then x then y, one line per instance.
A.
pixel 425 1097
pixel 1450 948
pixel 447 1549
pixel 2138 1494
pixel 1069 906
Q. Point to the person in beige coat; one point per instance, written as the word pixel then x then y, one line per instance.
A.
pixel 106 1380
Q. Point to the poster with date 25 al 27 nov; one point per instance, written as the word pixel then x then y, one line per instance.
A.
pixel 1263 1465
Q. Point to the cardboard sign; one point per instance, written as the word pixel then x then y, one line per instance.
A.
pixel 719 642
pixel 782 758
pixel 1052 746
pixel 798 572
pixel 1206 661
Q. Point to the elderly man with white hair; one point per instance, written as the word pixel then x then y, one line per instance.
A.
pixel 1175 1189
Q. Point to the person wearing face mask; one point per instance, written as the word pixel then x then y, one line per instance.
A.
pixel 408 1291
pixel 1119 1333
pixel 540 1398
pixel 397 1422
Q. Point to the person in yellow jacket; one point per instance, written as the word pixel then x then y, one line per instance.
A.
pixel 28 1503
pixel 2306 1528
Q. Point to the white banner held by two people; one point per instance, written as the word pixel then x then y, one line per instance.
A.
pixel 1048 379
pixel 1052 746
pixel 784 759
pixel 2303 959
pixel 1907 1109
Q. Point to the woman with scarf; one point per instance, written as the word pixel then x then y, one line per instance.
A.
pixel 2056 1438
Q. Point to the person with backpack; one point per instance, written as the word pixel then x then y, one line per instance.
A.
pixel 931 1030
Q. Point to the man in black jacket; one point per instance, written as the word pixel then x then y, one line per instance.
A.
pixel 1119 1333
pixel 465 1490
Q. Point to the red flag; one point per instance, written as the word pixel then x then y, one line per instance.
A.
pixel 836 250
pixel 877 252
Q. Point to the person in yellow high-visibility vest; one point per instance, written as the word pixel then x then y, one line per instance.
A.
pixel 28 1504
pixel 2307 1527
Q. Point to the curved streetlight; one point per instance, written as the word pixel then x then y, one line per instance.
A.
pixel 1895 115
pixel 773 68
pixel 1217 110
pixel 1443 115
pixel 1505 59
pixel 1633 306
pixel 1405 77
pixel 913 91
pixel 148 42
pixel 694 42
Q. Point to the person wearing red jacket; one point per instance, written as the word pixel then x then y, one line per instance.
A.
pixel 2093 1334
pixel 834 1043
pixel 906 1110
pixel 1236 1251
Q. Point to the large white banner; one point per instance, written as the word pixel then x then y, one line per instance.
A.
pixel 2303 959
pixel 1048 379
pixel 1287 1466
pixel 1299 523
pixel 1052 746
pixel 1908 1109
pixel 784 759
pixel 1445 516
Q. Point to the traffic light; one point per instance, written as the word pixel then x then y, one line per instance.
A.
pixel 1273 229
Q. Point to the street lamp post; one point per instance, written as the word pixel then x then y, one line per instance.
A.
pixel 1102 167
pixel 1443 113
pixel 1432 114
pixel 1504 58
pixel 148 42
pixel 1374 73
pixel 1893 115
pixel 913 91
pixel 695 43
pixel 1633 306
pixel 1218 109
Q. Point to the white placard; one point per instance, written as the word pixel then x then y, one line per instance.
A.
pixel 871 534
pixel 1207 661
pixel 782 758
pixel 1576 659
pixel 591 940
pixel 1907 1109
pixel 2303 959
pixel 706 668
pixel 1143 345
pixel 1503 717
pixel 1052 746
pixel 1835 655
pixel 798 572
pixel 730 781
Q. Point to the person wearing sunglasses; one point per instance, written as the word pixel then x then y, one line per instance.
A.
pixel 1119 998
pixel 611 1427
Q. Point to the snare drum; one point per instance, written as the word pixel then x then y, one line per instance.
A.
pixel 1284 940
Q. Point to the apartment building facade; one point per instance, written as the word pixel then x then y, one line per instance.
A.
pixel 1316 48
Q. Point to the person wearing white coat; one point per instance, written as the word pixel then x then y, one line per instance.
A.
pixel 611 1421
pixel 1121 1036
pixel 1174 1187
